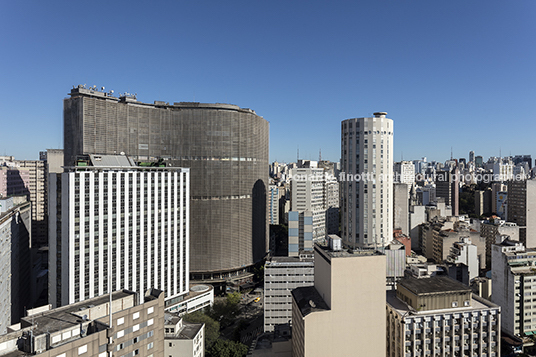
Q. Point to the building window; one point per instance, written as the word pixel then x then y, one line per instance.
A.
pixel 82 350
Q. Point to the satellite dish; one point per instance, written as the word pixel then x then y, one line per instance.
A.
pixel 102 88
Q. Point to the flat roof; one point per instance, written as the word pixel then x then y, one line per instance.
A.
pixel 67 316
pixel 309 300
pixel 477 303
pixel 345 253
pixel 433 285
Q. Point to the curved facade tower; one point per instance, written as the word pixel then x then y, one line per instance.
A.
pixel 367 181
pixel 225 147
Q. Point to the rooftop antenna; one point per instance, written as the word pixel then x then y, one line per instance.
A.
pixel 298 154
pixel 451 153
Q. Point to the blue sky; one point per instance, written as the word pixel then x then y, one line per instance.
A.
pixel 449 73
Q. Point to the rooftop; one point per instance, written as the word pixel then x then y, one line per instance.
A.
pixel 403 309
pixel 433 285
pixel 309 300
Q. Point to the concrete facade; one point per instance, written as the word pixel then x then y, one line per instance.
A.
pixel 307 193
pixel 15 275
pixel 281 276
pixel 225 147
pixel 401 207
pixel 367 181
pixel 183 339
pixel 438 316
pixel 342 314
pixel 513 282
pixel 141 212
pixel 84 329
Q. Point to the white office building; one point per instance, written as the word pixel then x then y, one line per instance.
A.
pixel 308 194
pixel 514 286
pixel 367 181
pixel 404 172
pixel 281 276
pixel 142 213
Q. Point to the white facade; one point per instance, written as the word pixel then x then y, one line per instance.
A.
pixel 143 213
pixel 404 172
pixel 273 204
pixel 308 194
pixel 183 339
pixel 503 171
pixel 514 287
pixel 367 181
pixel 466 253
pixel 281 276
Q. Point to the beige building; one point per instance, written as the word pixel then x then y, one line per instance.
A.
pixel 343 313
pixel 439 234
pixel 85 329
pixel 183 339
pixel 438 316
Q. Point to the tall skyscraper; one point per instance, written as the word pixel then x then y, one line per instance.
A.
pixel 140 213
pixel 225 147
pixel 367 181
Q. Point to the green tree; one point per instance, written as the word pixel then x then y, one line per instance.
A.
pixel 233 299
pixel 224 348
pixel 212 327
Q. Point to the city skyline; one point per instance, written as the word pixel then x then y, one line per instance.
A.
pixel 450 74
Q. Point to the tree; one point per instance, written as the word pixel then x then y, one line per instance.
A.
pixel 233 299
pixel 212 327
pixel 225 348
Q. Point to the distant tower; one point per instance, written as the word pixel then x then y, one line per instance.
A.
pixel 471 156
pixel 367 187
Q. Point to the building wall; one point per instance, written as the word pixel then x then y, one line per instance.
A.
pixel 144 213
pixel 443 332
pixel 280 278
pixel 401 207
pixel 15 283
pixel 354 289
pixel 367 202
pixel 225 147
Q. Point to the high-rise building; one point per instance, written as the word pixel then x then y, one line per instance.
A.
pixel 308 194
pixel 15 283
pixel 471 156
pixel 281 276
pixel 27 177
pixel 343 314
pixel 401 207
pixel 142 213
pixel 273 203
pixel 404 172
pixel 225 147
pixel 522 209
pixel 367 181
pixel 300 232
pixel 447 186
pixel 512 274
pixel 439 316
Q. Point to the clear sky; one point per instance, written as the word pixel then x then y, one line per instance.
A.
pixel 449 73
